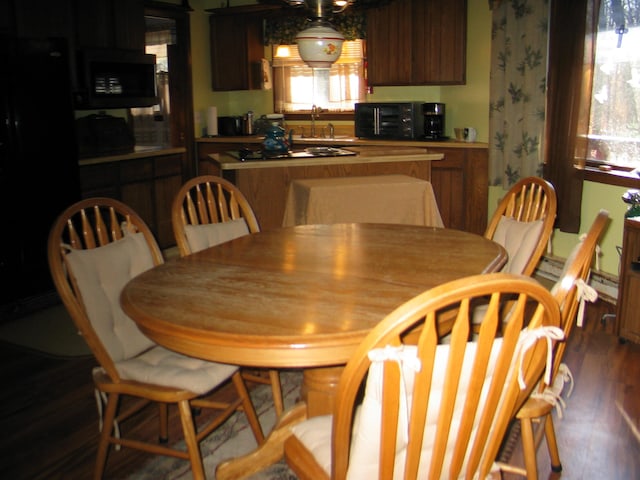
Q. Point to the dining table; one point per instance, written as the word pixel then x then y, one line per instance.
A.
pixel 299 297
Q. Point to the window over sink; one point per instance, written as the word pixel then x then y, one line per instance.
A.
pixel 297 87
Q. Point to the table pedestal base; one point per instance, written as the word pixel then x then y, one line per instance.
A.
pixel 318 398
pixel 270 452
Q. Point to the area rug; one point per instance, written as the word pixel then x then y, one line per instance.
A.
pixel 49 331
pixel 231 439
pixel 234 438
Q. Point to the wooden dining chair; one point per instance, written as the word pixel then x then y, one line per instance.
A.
pixel 95 247
pixel 209 210
pixel 523 223
pixel 432 410
pixel 570 291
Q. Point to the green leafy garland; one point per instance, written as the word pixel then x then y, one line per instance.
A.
pixel 281 29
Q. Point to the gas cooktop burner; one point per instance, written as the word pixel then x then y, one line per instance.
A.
pixel 247 155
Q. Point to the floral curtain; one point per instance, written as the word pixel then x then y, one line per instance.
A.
pixel 518 90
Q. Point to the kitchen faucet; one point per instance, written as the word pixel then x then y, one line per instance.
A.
pixel 314 114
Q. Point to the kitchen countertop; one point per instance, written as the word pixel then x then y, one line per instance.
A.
pixel 347 141
pixel 364 154
pixel 139 152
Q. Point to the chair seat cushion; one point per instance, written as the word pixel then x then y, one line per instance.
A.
pixel 315 435
pixel 519 240
pixel 208 235
pixel 160 366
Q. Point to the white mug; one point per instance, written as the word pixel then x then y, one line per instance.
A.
pixel 470 134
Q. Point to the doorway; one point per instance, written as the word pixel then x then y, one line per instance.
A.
pixel 170 122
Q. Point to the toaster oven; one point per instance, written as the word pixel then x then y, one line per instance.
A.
pixel 389 120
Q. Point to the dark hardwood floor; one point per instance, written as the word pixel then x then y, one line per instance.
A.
pixel 48 419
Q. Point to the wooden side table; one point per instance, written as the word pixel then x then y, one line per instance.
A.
pixel 628 308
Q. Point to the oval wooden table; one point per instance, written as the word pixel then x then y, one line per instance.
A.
pixel 297 297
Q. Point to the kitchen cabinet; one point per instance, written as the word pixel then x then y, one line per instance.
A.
pixel 628 305
pixel 116 24
pixel 417 42
pixel 40 18
pixel 236 49
pixel 146 184
pixel 6 14
pixel 460 183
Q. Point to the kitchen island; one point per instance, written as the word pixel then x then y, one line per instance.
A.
pixel 266 182
pixel 458 173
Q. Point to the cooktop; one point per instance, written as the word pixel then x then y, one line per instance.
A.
pixel 247 155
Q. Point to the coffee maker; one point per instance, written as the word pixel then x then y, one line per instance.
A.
pixel 433 121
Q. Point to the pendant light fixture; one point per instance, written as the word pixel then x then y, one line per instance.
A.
pixel 320 45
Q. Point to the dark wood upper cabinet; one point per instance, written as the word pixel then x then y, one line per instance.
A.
pixel 417 42
pixel 40 18
pixel 117 24
pixel 236 49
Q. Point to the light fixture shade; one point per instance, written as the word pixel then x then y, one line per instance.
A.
pixel 319 45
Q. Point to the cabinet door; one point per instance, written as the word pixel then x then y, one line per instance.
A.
pixel 439 42
pixel 461 185
pixel 389 44
pixel 43 18
pixel 110 24
pixel 236 52
pixel 628 305
pixel 417 42
pixel 167 181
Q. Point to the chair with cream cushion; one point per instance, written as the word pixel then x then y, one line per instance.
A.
pixel 523 223
pixel 95 247
pixel 571 291
pixel 432 410
pixel 209 210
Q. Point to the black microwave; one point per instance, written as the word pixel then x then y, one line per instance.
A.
pixel 112 78
pixel 389 120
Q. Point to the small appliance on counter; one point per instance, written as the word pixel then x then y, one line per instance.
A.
pixel 433 121
pixel 230 126
pixel 389 120
pixel 101 134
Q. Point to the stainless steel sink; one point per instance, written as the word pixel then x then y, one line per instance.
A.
pixel 337 138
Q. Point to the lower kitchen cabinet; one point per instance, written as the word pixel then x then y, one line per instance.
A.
pixel 146 184
pixel 461 185
pixel 628 305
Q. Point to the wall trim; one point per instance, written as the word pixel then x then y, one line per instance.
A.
pixel 550 268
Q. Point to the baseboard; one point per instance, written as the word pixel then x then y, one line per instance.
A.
pixel 550 267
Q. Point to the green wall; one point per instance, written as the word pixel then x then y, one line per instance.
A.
pixel 466 105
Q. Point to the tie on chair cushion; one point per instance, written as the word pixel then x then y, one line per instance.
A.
pixel 315 433
pixel 101 274
pixel 210 234
pixel 160 366
pixel 519 240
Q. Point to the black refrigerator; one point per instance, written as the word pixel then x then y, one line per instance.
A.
pixel 38 163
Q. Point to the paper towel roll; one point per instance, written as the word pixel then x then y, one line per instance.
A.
pixel 212 121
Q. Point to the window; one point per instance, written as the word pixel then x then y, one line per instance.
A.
pixel 151 125
pixel 614 124
pixel 298 87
